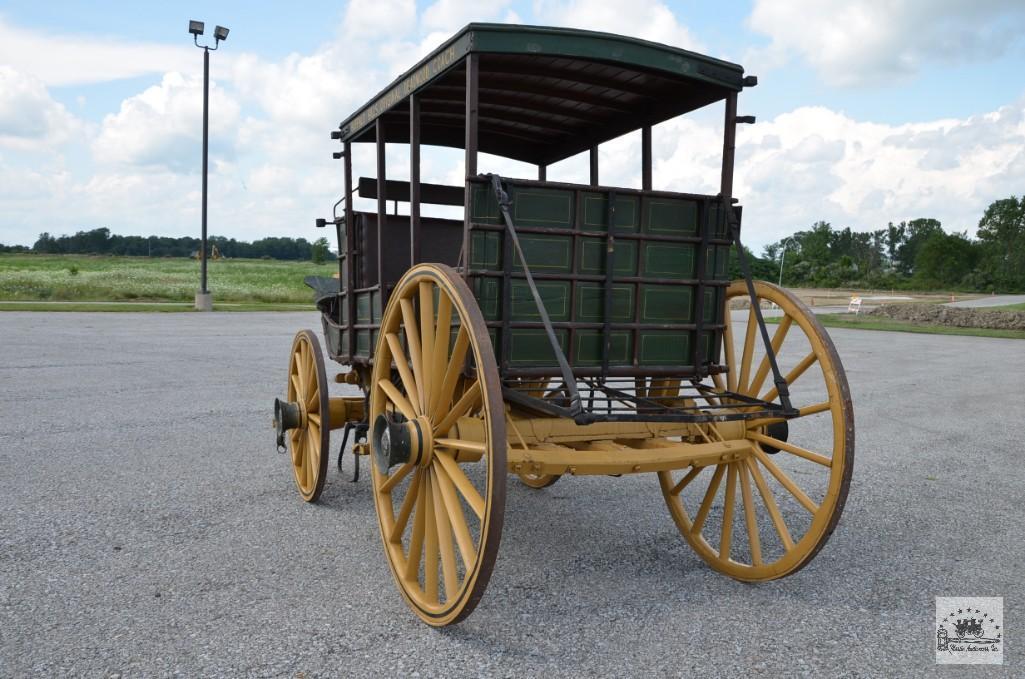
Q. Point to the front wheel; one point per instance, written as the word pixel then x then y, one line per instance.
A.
pixel 438 444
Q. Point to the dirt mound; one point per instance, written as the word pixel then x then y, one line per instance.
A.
pixel 958 317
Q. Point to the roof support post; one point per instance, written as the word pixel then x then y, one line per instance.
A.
pixel 470 163
pixel 542 172
pixel 350 249
pixel 594 165
pixel 414 179
pixel 382 210
pixel 729 146
pixel 646 158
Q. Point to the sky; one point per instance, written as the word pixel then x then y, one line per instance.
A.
pixel 868 111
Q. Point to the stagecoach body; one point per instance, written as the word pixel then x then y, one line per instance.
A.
pixel 560 328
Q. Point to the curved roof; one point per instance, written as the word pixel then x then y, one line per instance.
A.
pixel 544 93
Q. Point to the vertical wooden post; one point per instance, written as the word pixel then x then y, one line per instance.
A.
pixel 594 165
pixel 350 248
pixel 382 208
pixel 729 146
pixel 542 172
pixel 414 180
pixel 646 158
pixel 470 163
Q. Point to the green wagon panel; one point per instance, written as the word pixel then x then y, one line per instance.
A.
pixel 587 349
pixel 562 233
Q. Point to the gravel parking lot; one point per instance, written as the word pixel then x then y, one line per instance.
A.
pixel 148 528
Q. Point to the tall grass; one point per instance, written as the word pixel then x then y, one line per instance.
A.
pixel 28 277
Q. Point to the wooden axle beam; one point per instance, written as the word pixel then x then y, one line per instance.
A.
pixel 612 457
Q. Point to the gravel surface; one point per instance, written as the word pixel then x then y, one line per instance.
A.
pixel 148 528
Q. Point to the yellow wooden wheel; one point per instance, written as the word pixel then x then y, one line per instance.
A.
pixel 790 493
pixel 309 440
pixel 438 444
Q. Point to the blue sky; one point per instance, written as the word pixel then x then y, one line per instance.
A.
pixel 869 111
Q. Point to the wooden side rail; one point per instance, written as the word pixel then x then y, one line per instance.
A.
pixel 434 194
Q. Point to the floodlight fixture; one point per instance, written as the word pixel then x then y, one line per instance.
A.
pixel 196 28
pixel 220 33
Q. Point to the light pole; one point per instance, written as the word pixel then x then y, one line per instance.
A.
pixel 782 256
pixel 204 301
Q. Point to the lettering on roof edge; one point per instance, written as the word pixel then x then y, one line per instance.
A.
pixel 410 84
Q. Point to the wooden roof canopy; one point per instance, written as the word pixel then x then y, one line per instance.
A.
pixel 545 94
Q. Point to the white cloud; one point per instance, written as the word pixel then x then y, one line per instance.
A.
pixel 162 126
pixel 59 60
pixel 857 42
pixel 647 19
pixel 29 117
pixel 448 16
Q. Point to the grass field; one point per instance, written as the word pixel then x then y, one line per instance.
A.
pixel 72 279
pixel 872 323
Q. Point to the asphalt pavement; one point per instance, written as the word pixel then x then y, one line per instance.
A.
pixel 149 528
pixel 992 300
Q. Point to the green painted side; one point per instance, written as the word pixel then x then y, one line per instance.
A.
pixel 587 348
pixel 488 292
pixel 551 208
pixel 596 213
pixel 545 253
pixel 530 347
pixel 591 257
pixel 667 303
pixel 665 347
pixel 591 303
pixel 554 295
pixel 486 250
pixel 668 260
pixel 671 217
pixel 648 303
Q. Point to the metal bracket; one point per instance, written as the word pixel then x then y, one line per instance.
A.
pixel 361 434
pixel 756 309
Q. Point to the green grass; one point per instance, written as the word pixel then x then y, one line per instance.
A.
pixel 253 283
pixel 872 323
pixel 146 306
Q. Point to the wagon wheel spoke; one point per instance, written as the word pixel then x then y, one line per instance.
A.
pixel 749 345
pixel 726 534
pixel 454 367
pixel 427 338
pixel 754 541
pixel 431 546
pixel 763 368
pixel 402 363
pixel 410 328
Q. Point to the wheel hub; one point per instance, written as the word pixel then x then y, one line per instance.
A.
pixel 287 416
pixel 397 440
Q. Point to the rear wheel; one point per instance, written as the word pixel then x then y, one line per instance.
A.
pixel 309 442
pixel 438 441
pixel 788 496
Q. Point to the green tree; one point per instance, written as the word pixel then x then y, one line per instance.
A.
pixel 1002 232
pixel 319 250
pixel 945 259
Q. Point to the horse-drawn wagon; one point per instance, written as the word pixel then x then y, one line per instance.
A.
pixel 561 328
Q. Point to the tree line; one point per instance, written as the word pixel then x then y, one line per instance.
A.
pixel 915 254
pixel 102 242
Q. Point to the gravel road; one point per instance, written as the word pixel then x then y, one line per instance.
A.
pixel 148 528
